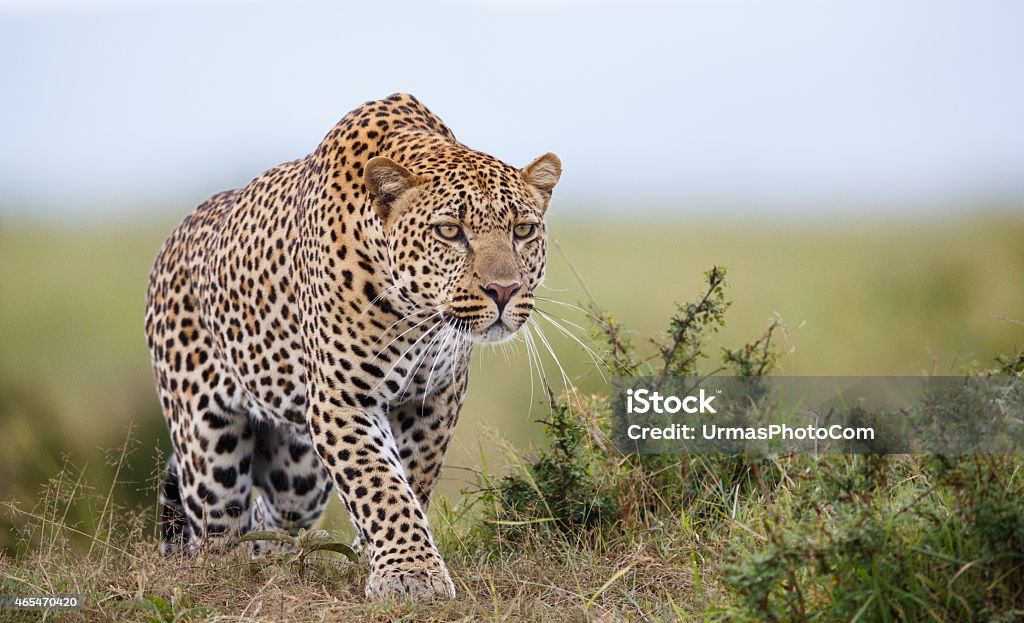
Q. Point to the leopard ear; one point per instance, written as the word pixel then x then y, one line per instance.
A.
pixel 386 181
pixel 543 173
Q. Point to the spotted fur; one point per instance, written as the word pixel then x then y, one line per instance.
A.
pixel 312 331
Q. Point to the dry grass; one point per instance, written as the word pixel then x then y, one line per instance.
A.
pixel 542 585
pixel 115 564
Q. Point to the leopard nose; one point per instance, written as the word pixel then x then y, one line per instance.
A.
pixel 501 294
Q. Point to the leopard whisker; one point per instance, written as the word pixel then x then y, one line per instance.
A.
pixel 570 306
pixel 463 340
pixel 538 363
pixel 562 318
pixel 438 308
pixel 596 319
pixel 529 361
pixel 437 355
pixel 598 361
pixel 384 333
pixel 504 352
pixel 565 377
pixel 394 286
pixel 418 363
pixel 399 359
pixel 399 336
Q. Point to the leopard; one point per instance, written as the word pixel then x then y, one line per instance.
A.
pixel 311 332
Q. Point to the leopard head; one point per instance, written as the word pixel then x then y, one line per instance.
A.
pixel 466 235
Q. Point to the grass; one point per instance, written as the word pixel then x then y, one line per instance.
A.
pixel 116 566
pixel 852 538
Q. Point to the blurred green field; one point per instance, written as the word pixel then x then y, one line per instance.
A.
pixel 860 297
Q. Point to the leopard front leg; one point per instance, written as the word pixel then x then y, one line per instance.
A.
pixel 359 451
pixel 422 429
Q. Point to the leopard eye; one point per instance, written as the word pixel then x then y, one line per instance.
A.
pixel 524 230
pixel 448 232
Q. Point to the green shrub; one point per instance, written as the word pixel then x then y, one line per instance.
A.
pixel 887 538
pixel 580 486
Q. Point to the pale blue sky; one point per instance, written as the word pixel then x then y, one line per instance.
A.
pixel 106 105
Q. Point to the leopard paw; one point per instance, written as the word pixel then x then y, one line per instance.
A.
pixel 405 583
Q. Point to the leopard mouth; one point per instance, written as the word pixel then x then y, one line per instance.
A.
pixel 494 333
